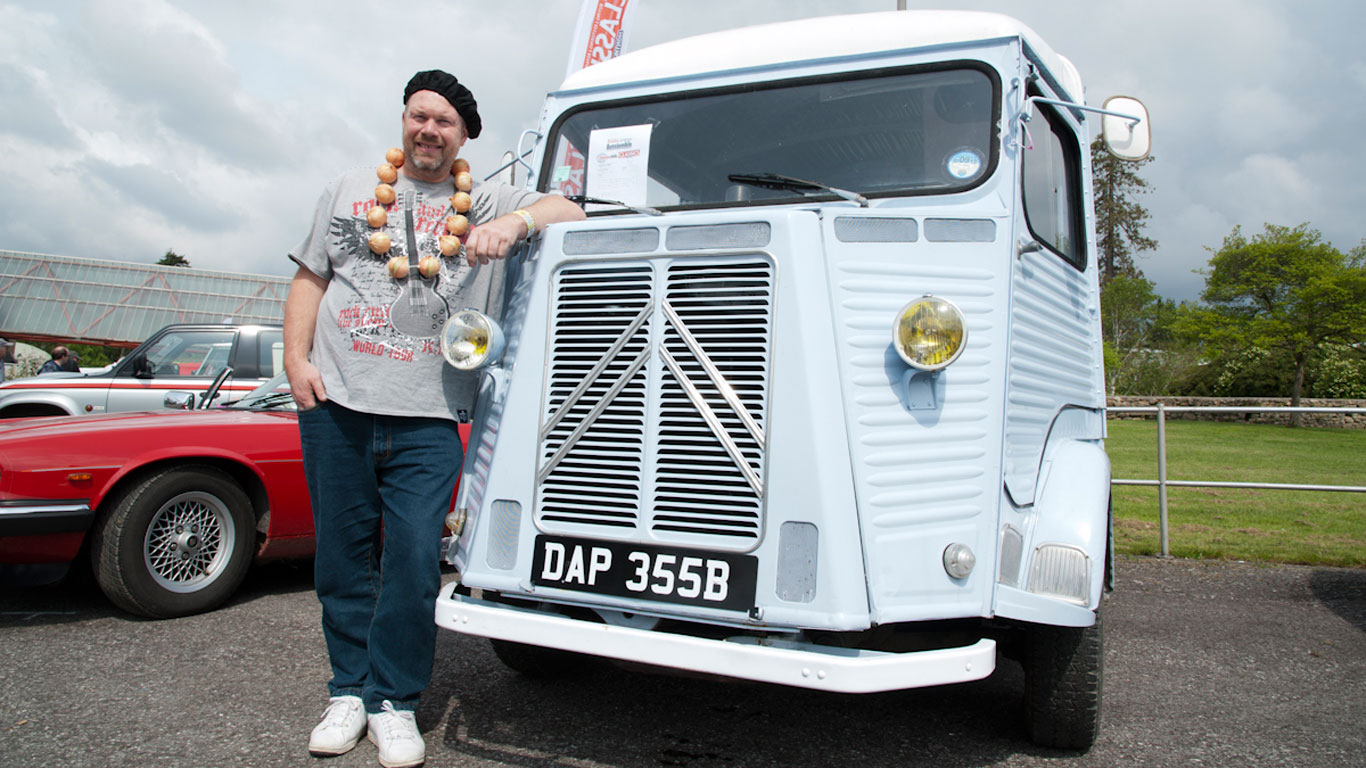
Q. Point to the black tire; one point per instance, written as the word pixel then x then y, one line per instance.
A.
pixel 175 543
pixel 534 661
pixel 1064 676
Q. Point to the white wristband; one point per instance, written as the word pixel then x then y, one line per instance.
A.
pixel 530 221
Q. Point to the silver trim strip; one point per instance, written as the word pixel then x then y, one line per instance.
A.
pixel 714 374
pixel 588 420
pixel 588 381
pixel 36 509
pixel 714 423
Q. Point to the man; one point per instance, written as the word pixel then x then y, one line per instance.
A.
pixel 6 357
pixel 378 410
pixel 72 363
pixel 59 355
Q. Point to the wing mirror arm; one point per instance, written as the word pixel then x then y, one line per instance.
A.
pixel 1125 129
pixel 1131 119
pixel 513 159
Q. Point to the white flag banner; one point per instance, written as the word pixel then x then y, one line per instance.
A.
pixel 600 33
pixel 599 36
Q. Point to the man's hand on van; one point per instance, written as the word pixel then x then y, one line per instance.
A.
pixel 493 240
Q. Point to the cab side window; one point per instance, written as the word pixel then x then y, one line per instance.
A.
pixel 1051 170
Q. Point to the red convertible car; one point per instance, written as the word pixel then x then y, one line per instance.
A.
pixel 171 506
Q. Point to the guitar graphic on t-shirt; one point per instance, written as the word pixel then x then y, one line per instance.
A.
pixel 419 311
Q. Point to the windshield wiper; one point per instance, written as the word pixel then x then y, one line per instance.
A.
pixel 581 199
pixel 263 402
pixel 779 181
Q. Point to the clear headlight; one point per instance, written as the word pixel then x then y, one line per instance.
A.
pixel 471 340
pixel 929 333
pixel 1061 571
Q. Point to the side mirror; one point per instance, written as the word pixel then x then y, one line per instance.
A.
pixel 142 368
pixel 1127 133
pixel 180 401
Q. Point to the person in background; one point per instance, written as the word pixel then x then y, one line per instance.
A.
pixel 72 363
pixel 379 408
pixel 53 365
pixel 6 357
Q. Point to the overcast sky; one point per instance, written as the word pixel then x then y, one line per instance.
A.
pixel 129 127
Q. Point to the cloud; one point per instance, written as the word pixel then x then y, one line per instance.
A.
pixel 154 58
pixel 1270 183
pixel 1256 120
pixel 31 112
pixel 162 193
pixel 1357 72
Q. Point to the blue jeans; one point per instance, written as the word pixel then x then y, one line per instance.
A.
pixel 380 488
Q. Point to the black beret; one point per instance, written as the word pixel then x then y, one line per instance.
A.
pixel 458 95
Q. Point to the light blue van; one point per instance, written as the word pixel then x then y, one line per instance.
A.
pixel 815 395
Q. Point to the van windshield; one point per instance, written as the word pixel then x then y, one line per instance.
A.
pixel 883 134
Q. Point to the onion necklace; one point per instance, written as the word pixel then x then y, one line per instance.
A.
pixel 457 225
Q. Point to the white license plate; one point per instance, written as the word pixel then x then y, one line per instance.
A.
pixel 646 572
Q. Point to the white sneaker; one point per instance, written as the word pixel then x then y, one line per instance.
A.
pixel 342 726
pixel 395 734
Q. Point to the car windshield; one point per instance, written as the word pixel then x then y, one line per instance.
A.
pixel 905 132
pixel 271 396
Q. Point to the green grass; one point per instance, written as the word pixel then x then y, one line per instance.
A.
pixel 1309 527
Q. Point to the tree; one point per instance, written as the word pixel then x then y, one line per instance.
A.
pixel 1143 356
pixel 1286 292
pixel 1127 310
pixel 92 356
pixel 1119 217
pixel 173 259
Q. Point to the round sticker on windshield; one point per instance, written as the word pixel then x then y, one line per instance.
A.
pixel 964 164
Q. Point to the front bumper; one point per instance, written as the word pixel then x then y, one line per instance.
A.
pixel 34 517
pixel 802 665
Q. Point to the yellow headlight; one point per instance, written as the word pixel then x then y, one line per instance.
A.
pixel 929 333
pixel 469 340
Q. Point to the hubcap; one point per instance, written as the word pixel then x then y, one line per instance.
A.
pixel 189 541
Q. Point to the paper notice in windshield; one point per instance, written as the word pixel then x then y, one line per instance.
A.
pixel 619 159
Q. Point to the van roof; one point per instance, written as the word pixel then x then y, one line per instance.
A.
pixel 818 38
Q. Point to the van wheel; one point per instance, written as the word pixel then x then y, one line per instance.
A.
pixel 178 542
pixel 1064 671
pixel 535 661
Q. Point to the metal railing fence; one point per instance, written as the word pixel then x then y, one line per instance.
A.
pixel 1163 483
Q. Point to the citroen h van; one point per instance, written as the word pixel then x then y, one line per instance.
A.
pixel 815 394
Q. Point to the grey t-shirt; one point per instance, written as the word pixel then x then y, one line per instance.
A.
pixel 367 365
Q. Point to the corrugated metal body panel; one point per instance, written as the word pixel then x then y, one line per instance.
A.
pixel 109 302
pixel 1052 363
pixel 926 472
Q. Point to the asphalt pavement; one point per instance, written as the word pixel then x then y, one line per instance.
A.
pixel 1226 664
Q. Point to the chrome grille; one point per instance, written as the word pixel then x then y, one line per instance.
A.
pixel 594 433
pixel 657 401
